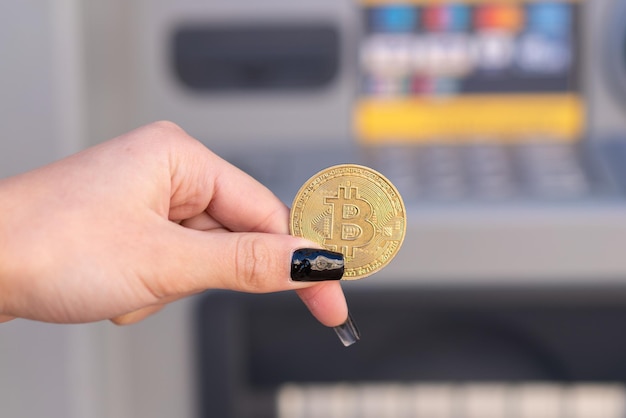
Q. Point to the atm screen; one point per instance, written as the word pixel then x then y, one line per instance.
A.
pixel 454 71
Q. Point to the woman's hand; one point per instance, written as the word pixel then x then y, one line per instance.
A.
pixel 123 228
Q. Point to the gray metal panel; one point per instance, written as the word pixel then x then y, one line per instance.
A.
pixel 528 247
pixel 227 121
pixel 28 98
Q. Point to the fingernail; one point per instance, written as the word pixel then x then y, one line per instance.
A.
pixel 348 332
pixel 315 265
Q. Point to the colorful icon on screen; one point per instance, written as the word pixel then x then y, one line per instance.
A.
pixel 551 19
pixel 394 18
pixel 502 17
pixel 447 18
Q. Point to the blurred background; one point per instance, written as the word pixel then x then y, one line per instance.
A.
pixel 502 125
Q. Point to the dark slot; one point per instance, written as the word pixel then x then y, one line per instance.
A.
pixel 255 57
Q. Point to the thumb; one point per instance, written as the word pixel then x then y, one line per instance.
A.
pixel 193 261
pixel 248 262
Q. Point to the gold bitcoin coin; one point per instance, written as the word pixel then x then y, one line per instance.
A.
pixel 354 210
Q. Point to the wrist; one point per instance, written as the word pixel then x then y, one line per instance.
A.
pixel 8 209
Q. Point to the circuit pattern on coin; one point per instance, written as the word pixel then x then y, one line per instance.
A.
pixel 354 210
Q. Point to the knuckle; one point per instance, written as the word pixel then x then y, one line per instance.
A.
pixel 172 135
pixel 166 126
pixel 166 132
pixel 253 261
pixel 153 138
pixel 164 135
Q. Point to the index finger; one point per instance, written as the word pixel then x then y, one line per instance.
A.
pixel 243 204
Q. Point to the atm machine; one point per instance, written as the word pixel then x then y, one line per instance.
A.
pixel 500 122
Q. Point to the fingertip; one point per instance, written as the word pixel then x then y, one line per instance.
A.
pixel 326 302
pixel 136 316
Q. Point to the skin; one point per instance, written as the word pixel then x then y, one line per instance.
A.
pixel 121 229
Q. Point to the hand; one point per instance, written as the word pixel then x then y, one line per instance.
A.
pixel 121 229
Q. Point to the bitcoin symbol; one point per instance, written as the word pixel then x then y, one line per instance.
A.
pixel 351 226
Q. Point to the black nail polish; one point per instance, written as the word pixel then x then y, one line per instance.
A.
pixel 315 265
pixel 348 332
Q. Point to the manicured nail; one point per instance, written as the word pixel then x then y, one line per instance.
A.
pixel 348 332
pixel 315 265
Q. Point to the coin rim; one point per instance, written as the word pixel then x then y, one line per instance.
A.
pixel 382 176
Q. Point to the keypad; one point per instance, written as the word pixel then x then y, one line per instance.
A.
pixel 487 171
